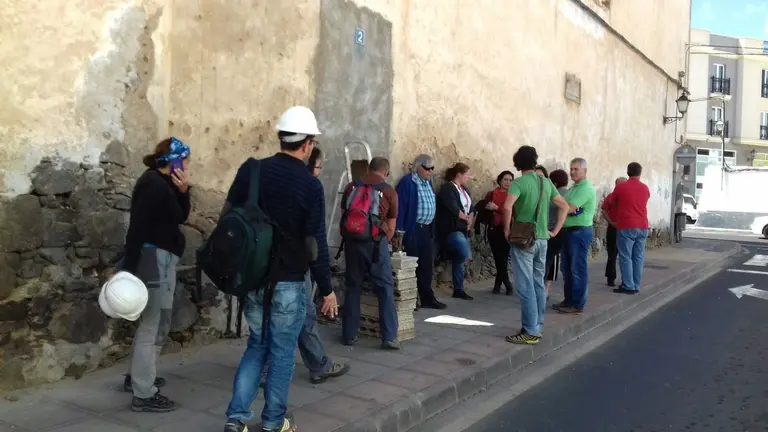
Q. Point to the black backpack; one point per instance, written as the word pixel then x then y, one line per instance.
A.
pixel 239 255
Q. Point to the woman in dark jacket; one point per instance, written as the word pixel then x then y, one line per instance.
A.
pixel 559 178
pixel 153 246
pixel 453 220
pixel 491 209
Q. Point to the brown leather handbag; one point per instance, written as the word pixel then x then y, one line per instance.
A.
pixel 523 234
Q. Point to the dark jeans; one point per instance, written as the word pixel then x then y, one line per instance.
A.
pixel 554 247
pixel 613 253
pixel 500 249
pixel 578 241
pixel 359 259
pixel 420 243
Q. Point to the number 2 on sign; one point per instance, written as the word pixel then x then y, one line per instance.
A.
pixel 359 36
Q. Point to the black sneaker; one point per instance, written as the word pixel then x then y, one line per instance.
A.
pixel 350 342
pixel 434 304
pixel 462 295
pixel 157 404
pixel 336 370
pixel 233 425
pixel 128 387
pixel 496 290
pixel 622 289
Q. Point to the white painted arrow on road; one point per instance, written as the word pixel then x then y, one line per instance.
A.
pixel 748 290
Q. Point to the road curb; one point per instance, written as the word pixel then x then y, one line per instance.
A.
pixel 419 407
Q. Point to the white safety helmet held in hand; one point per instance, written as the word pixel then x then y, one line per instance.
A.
pixel 299 120
pixel 123 296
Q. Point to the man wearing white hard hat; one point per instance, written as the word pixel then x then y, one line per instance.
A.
pixel 294 199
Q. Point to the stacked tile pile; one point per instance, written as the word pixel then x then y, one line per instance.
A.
pixel 404 272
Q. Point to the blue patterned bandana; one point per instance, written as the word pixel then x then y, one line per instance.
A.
pixel 179 150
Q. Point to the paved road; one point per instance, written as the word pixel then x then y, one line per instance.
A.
pixel 699 363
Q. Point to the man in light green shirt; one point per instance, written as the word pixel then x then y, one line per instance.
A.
pixel 578 233
pixel 528 265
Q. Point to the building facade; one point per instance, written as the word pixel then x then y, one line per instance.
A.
pixel 728 81
pixel 90 86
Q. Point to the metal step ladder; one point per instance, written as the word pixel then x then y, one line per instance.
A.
pixel 354 170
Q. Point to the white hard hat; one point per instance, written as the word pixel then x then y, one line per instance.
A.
pixel 300 120
pixel 123 296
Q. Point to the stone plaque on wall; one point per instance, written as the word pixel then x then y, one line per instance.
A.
pixel 573 88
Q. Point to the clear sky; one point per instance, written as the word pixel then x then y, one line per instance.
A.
pixel 738 18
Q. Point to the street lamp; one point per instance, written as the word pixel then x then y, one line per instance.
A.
pixel 682 106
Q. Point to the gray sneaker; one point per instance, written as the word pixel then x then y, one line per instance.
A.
pixel 336 370
pixel 393 345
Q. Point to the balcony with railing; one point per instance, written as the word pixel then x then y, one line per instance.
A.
pixel 720 85
pixel 764 132
pixel 713 128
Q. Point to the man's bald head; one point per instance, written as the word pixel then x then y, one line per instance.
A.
pixel 620 180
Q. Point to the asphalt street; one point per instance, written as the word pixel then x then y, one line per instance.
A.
pixel 700 363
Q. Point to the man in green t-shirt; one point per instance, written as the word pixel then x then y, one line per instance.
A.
pixel 526 193
pixel 582 201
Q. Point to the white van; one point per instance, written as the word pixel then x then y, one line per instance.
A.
pixel 760 226
pixel 690 209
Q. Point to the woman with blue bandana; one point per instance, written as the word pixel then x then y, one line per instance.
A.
pixel 153 246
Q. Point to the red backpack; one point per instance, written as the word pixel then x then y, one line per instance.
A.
pixel 361 220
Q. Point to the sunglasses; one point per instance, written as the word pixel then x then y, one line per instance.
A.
pixel 427 168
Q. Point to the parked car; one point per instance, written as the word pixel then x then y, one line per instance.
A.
pixel 690 209
pixel 760 226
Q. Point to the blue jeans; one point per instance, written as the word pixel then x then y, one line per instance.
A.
pixel 288 310
pixel 631 245
pixel 311 346
pixel 574 256
pixel 528 271
pixel 359 259
pixel 457 245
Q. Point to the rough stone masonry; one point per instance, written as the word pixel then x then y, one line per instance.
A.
pixel 55 245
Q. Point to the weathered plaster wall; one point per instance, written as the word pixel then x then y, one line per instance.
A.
pixel 474 86
pixel 76 76
pixel 237 64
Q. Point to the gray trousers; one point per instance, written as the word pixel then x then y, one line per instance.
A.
pixel 157 269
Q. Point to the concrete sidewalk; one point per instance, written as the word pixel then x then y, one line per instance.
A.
pixel 384 391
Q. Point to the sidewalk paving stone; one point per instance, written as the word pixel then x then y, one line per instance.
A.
pixel 384 390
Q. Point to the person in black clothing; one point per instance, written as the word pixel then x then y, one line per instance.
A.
pixel 153 246
pixel 294 200
pixel 453 220
pixel 559 179
pixel 490 209
pixel 607 209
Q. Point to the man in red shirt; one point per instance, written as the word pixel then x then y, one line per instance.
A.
pixel 630 208
pixel 609 211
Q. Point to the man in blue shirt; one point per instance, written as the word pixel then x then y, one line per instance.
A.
pixel 416 202
pixel 294 199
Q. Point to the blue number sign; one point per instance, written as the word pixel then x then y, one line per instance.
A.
pixel 360 36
